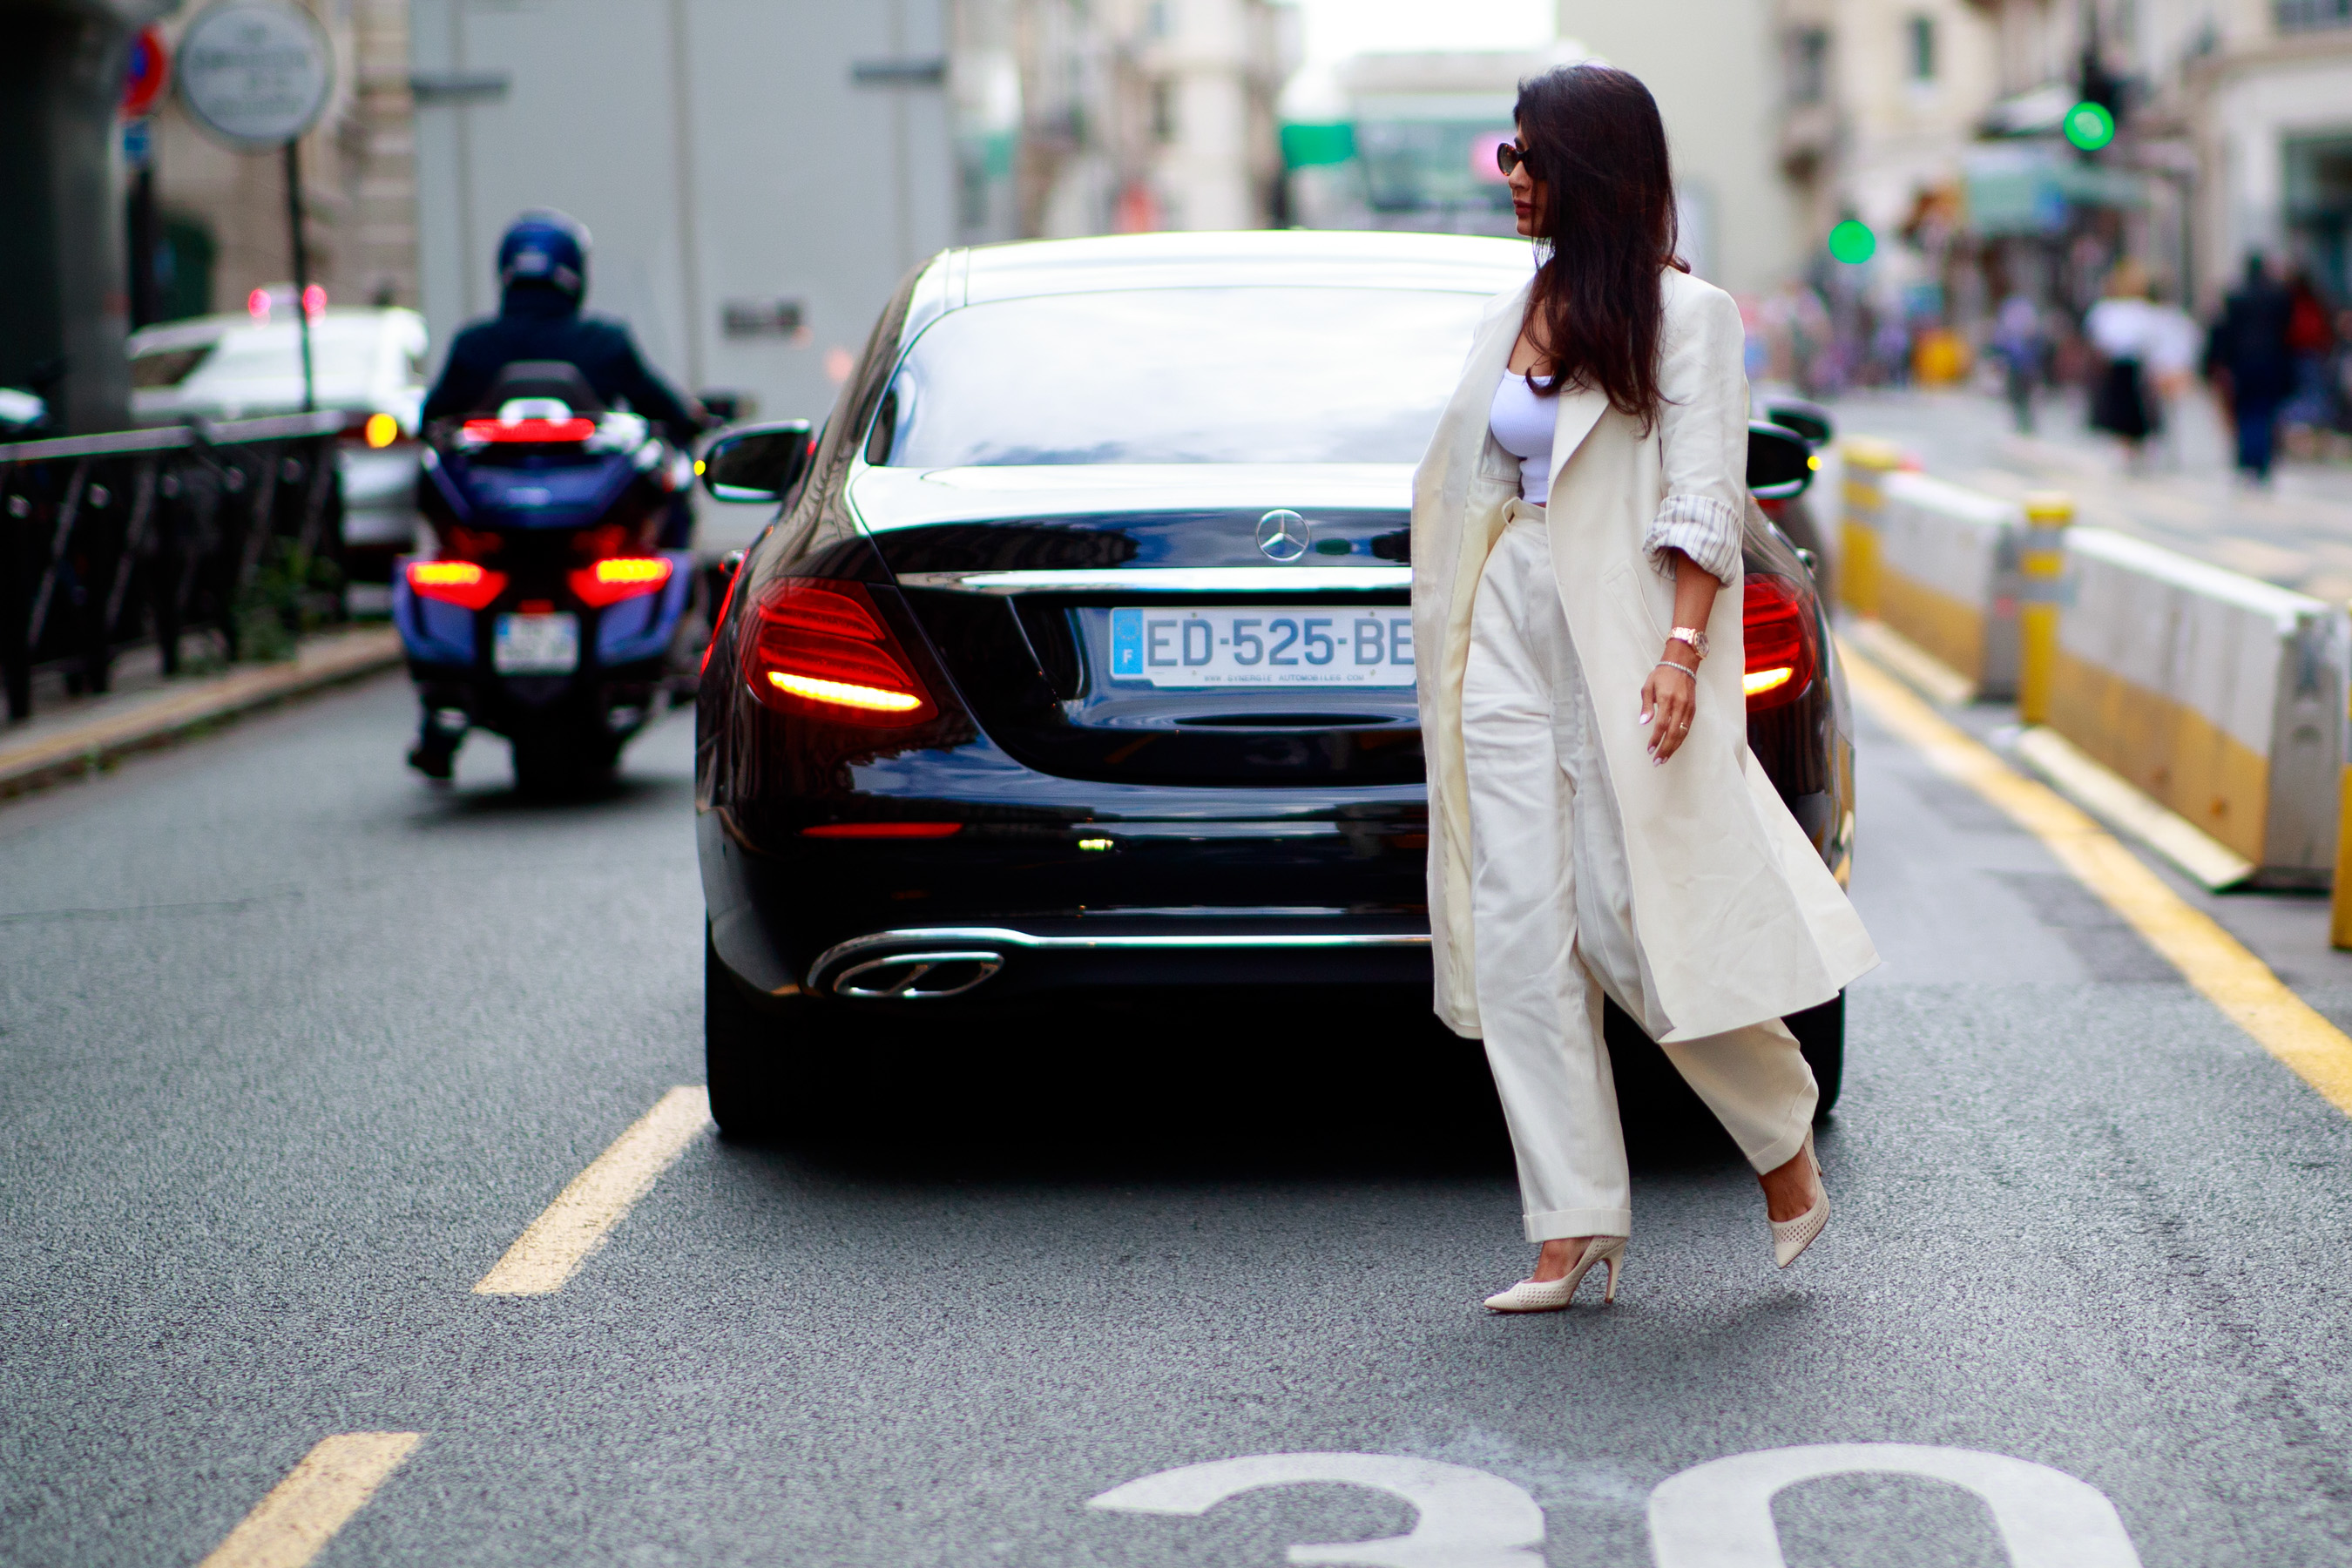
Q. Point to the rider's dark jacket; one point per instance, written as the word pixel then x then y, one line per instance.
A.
pixel 538 323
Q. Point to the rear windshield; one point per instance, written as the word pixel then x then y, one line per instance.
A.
pixel 1180 375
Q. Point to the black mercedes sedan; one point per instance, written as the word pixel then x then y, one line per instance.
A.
pixel 1078 666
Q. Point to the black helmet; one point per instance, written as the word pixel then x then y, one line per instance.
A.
pixel 546 248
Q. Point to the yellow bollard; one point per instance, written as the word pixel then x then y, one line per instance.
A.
pixel 2047 514
pixel 1867 463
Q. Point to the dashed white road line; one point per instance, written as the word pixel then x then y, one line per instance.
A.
pixel 600 1197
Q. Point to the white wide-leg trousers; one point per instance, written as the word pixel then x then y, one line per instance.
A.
pixel 1552 918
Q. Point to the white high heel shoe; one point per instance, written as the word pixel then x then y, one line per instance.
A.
pixel 1791 1237
pixel 1551 1295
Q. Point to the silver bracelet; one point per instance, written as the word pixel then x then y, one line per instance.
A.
pixel 1670 664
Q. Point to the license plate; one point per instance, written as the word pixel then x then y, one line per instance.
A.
pixel 1263 646
pixel 536 644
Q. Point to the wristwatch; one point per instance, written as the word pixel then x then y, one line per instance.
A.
pixel 1691 635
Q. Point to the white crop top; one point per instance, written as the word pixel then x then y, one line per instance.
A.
pixel 1522 423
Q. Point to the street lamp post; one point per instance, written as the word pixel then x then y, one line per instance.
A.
pixel 257 73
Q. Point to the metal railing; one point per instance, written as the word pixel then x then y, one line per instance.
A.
pixel 111 540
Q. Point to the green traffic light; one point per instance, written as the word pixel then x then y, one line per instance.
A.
pixel 1852 243
pixel 2089 126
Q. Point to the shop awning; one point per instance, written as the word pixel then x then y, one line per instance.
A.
pixel 2031 189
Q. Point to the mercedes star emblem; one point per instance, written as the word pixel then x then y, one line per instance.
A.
pixel 1282 535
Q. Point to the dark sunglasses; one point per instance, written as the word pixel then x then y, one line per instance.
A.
pixel 1508 158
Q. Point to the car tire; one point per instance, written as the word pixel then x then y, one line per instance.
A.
pixel 1820 1034
pixel 774 1070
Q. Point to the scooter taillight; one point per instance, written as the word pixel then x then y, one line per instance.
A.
pixel 820 649
pixel 468 584
pixel 619 577
pixel 1778 623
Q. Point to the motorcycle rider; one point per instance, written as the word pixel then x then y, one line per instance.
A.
pixel 542 278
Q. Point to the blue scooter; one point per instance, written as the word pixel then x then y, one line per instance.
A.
pixel 549 610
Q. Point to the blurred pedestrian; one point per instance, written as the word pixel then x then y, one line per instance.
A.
pixel 2310 342
pixel 1570 856
pixel 2174 342
pixel 2019 342
pixel 2124 334
pixel 1890 347
pixel 2247 361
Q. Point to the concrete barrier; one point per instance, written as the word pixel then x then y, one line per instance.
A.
pixel 2220 697
pixel 1948 561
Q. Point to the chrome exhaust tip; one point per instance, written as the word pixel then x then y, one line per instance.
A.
pixel 915 976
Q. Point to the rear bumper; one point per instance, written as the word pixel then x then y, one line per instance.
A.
pixel 1014 913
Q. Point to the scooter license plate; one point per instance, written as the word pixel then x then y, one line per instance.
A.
pixel 536 644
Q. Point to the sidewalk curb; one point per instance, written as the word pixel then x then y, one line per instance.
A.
pixel 89 747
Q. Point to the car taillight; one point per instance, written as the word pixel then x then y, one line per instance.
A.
pixel 468 584
pixel 1780 638
pixel 883 830
pixel 820 649
pixel 619 577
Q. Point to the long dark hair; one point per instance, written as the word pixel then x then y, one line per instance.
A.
pixel 1605 226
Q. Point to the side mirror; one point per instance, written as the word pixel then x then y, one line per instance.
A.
pixel 760 463
pixel 1779 463
pixel 1809 420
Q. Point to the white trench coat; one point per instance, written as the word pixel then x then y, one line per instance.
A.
pixel 1737 917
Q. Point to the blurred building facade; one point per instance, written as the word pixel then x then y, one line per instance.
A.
pixel 757 179
pixel 1712 65
pixel 1406 140
pixel 223 229
pixel 2238 113
pixel 1940 125
pixel 1150 115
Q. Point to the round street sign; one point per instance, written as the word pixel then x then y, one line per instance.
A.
pixel 256 72
pixel 143 74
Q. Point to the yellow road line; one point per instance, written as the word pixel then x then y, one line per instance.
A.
pixel 318 1498
pixel 2209 958
pixel 600 1197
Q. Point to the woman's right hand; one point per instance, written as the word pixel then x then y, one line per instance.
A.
pixel 1670 698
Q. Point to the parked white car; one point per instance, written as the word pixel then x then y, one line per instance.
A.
pixel 368 363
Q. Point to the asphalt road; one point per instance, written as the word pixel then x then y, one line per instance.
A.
pixel 296 1046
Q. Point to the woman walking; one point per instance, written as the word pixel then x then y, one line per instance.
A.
pixel 1576 524
pixel 2128 333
